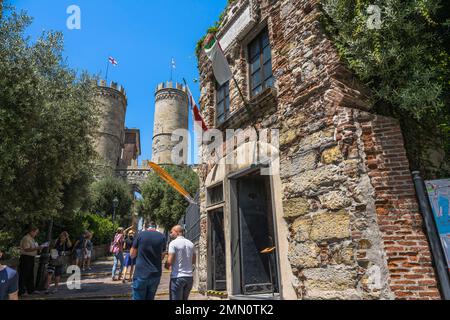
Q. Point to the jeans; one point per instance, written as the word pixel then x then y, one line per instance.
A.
pixel 145 289
pixel 118 257
pixel 180 288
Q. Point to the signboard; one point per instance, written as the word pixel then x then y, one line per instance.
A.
pixel 240 26
pixel 439 196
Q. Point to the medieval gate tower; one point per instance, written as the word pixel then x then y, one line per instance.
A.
pixel 171 113
pixel 109 141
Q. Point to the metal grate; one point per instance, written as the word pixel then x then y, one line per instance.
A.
pixel 191 221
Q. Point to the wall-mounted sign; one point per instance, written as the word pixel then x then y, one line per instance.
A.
pixel 238 28
pixel 439 196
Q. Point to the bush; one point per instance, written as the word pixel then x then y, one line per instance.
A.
pixel 102 228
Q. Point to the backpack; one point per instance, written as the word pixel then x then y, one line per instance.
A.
pixel 115 244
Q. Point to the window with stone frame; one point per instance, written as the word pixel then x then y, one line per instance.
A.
pixel 222 101
pixel 260 63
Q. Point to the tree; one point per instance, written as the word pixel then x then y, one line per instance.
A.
pixel 47 119
pixel 404 60
pixel 163 204
pixel 103 193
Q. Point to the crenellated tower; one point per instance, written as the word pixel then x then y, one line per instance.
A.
pixel 171 113
pixel 109 142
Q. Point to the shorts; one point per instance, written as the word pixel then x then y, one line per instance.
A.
pixel 128 261
pixel 55 270
pixel 87 254
pixel 78 253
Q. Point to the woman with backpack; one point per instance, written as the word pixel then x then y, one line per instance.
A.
pixel 117 250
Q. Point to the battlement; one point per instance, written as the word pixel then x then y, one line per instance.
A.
pixel 113 85
pixel 171 85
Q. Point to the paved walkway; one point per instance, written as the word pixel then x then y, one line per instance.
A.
pixel 97 284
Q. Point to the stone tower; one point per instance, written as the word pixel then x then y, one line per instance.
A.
pixel 110 137
pixel 171 113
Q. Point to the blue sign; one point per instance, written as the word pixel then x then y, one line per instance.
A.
pixel 439 196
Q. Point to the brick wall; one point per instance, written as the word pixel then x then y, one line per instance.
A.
pixel 411 274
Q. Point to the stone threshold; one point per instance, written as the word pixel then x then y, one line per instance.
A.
pixel 98 297
pixel 256 297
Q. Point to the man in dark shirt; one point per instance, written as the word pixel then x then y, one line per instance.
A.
pixel 9 282
pixel 148 247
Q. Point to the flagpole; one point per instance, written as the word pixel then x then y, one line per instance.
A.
pixel 246 103
pixel 107 69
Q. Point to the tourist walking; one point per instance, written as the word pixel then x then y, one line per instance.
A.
pixel 149 248
pixel 117 250
pixel 181 259
pixel 129 262
pixel 9 282
pixel 29 249
pixel 78 249
pixel 57 262
pixel 87 251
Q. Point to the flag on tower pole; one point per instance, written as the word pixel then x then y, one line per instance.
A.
pixel 173 65
pixel 113 62
pixel 220 65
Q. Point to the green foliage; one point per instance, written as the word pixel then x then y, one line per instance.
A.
pixel 47 119
pixel 213 29
pixel 405 63
pixel 104 191
pixel 102 228
pixel 163 204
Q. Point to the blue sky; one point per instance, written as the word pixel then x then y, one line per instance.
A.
pixel 142 35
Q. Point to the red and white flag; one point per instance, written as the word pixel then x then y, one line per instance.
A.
pixel 113 61
pixel 196 111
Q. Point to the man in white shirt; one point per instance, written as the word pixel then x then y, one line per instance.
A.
pixel 181 259
pixel 29 249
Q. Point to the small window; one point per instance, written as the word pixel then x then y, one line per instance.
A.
pixel 215 195
pixel 222 101
pixel 260 62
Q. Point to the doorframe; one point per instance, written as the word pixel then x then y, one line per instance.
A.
pixel 209 264
pixel 236 276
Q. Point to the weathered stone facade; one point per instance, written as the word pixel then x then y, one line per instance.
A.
pixel 132 148
pixel 171 113
pixel 344 204
pixel 110 137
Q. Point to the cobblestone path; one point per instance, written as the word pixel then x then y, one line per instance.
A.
pixel 97 284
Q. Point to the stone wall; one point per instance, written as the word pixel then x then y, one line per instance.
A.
pixel 348 198
pixel 171 113
pixel 110 135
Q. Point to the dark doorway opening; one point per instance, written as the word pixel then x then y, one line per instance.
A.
pixel 254 231
pixel 216 247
